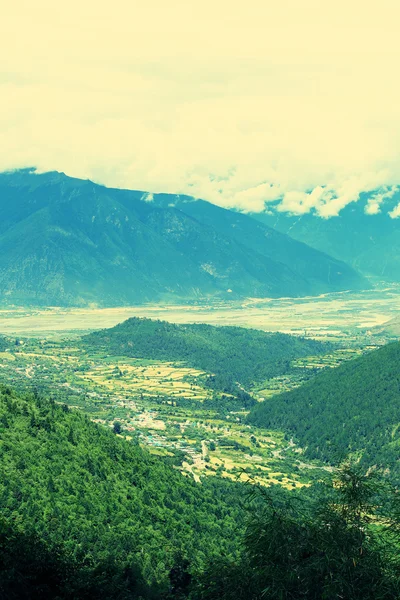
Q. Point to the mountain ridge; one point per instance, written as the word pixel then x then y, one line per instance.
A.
pixel 65 241
pixel 370 243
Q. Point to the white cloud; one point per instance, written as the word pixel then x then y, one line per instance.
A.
pixel 375 202
pixel 395 213
pixel 238 103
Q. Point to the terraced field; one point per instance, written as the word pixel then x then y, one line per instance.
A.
pixel 152 379
pixel 168 408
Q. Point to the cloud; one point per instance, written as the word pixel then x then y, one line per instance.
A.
pixel 395 213
pixel 328 201
pixel 242 104
pixel 375 202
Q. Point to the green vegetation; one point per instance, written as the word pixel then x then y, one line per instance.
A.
pixel 231 354
pixel 178 494
pixel 99 500
pixel 342 544
pixel 353 409
pixel 163 405
pixel 87 515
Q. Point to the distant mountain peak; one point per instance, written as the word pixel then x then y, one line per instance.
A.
pixel 365 234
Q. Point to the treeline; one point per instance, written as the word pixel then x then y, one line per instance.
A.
pixel 353 409
pixel 232 354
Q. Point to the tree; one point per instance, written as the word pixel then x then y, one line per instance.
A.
pixel 344 544
pixel 117 427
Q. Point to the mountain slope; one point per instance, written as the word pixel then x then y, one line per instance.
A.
pixel 270 243
pixel 103 500
pixel 235 353
pixel 390 328
pixel 370 243
pixel 352 409
pixel 65 241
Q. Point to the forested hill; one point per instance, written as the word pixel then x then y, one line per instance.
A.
pixel 243 355
pixel 65 241
pixel 88 516
pixel 121 517
pixel 352 409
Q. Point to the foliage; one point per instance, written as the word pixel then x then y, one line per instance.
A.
pixel 351 409
pixel 87 515
pixel 105 501
pixel 338 546
pixel 231 354
pixel 33 569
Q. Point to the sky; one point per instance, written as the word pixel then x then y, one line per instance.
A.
pixel 237 102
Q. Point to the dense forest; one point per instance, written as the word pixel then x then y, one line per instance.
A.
pixel 341 542
pixel 87 515
pixel 102 503
pixel 232 354
pixel 353 409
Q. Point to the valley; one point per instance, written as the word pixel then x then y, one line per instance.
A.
pixel 200 301
pixel 167 405
pixel 339 315
pixel 179 425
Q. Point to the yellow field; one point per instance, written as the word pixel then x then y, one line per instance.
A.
pixel 158 378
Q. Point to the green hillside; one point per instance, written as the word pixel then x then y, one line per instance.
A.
pixel 354 409
pixel 87 516
pixel 65 241
pixel 232 354
pixel 102 503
